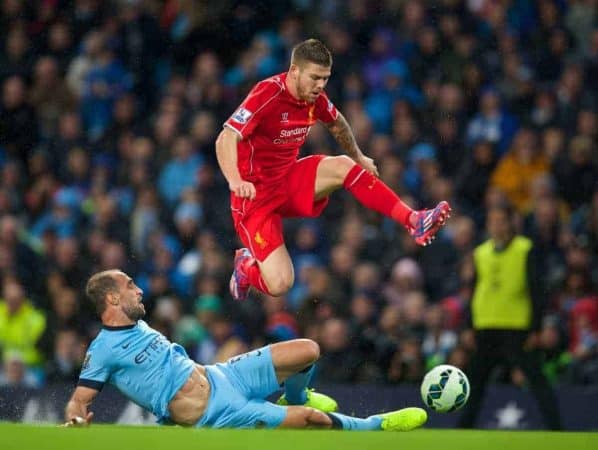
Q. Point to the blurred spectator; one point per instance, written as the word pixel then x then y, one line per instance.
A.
pixel 68 355
pixel 492 123
pixel 49 95
pixel 141 45
pixel 407 364
pixel 65 312
pixel 583 327
pixel 17 57
pixel 18 122
pixel 223 342
pixel 367 337
pixel 82 63
pixel 557 359
pixel 165 314
pixel 543 113
pixel 14 373
pixel 280 324
pixel 518 169
pixel 62 217
pixel 576 171
pixel 438 342
pixel 22 259
pixel 21 325
pixel 406 276
pixel 474 176
pixel 180 172
pixel 340 361
pixel 60 44
pixel 103 83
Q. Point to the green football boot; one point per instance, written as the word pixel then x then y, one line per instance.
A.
pixel 405 419
pixel 315 400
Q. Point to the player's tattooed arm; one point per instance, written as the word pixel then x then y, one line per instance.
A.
pixel 341 130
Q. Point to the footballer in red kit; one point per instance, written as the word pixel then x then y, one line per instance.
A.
pixel 272 126
pixel 258 151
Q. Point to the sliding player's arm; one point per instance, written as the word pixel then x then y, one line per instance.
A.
pixel 76 412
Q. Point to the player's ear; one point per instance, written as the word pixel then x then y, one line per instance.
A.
pixel 113 298
pixel 294 70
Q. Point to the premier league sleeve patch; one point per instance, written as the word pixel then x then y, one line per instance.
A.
pixel 241 115
pixel 86 361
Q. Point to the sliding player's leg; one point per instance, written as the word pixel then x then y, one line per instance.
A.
pixel 406 419
pixel 294 362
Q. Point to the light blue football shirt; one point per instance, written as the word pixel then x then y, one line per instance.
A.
pixel 140 362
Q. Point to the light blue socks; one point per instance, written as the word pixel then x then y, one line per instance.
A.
pixel 340 421
pixel 294 386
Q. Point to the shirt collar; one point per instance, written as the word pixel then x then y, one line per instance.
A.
pixel 119 328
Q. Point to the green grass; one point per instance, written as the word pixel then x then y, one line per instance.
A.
pixel 114 437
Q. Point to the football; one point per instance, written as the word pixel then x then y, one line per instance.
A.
pixel 445 388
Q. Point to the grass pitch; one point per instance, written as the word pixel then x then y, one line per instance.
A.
pixel 115 437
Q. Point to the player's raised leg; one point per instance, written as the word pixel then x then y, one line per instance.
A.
pixel 277 271
pixel 240 281
pixel 294 366
pixel 335 172
pixel 274 275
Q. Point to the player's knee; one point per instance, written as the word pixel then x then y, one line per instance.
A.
pixel 342 165
pixel 337 168
pixel 280 285
pixel 310 350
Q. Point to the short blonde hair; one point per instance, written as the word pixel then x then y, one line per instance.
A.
pixel 311 50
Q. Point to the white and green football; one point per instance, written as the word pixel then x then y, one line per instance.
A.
pixel 445 388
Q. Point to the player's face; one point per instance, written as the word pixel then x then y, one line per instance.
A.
pixel 131 297
pixel 499 226
pixel 310 80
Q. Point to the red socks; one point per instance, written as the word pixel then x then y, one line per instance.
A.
pixel 372 193
pixel 255 277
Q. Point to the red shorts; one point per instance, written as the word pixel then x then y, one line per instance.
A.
pixel 259 222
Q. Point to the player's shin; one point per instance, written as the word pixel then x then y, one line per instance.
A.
pixel 295 386
pixel 372 193
pixel 341 421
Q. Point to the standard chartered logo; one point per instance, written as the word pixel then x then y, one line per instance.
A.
pixel 293 132
pixel 293 136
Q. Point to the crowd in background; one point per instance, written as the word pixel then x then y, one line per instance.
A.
pixel 108 115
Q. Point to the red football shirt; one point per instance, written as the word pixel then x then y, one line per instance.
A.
pixel 273 125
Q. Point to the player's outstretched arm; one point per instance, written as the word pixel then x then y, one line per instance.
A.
pixel 226 153
pixel 342 133
pixel 76 413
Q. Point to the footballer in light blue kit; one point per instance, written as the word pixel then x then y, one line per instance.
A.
pixel 159 376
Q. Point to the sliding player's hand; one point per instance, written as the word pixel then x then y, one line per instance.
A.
pixel 78 421
pixel 243 189
pixel 368 164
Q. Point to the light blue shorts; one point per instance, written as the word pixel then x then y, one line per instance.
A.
pixel 239 388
